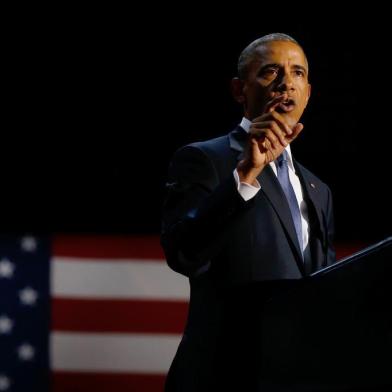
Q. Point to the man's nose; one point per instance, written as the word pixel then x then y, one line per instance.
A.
pixel 286 82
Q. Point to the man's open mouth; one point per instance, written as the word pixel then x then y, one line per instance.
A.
pixel 286 106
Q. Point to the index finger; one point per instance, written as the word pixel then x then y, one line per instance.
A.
pixel 271 105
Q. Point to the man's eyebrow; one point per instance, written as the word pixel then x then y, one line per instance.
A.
pixel 276 65
pixel 272 65
pixel 268 66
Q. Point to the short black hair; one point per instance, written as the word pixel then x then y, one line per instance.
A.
pixel 248 53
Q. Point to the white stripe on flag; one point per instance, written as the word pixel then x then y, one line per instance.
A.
pixel 124 353
pixel 125 279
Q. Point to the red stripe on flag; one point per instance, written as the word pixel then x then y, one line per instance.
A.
pixel 108 246
pixel 82 315
pixel 142 247
pixel 106 382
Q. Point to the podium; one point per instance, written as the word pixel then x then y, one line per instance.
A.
pixel 333 331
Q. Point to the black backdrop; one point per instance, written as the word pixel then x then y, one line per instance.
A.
pixel 95 109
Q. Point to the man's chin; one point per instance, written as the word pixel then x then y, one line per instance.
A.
pixel 290 119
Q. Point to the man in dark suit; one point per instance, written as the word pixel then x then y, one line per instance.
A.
pixel 242 219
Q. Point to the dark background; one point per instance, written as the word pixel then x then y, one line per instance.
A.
pixel 95 107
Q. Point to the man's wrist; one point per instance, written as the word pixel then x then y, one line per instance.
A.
pixel 248 175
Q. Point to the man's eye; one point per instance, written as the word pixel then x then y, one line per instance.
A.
pixel 298 72
pixel 269 72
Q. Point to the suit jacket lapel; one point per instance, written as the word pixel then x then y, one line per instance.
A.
pixel 311 193
pixel 272 190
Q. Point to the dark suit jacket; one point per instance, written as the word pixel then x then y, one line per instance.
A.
pixel 236 254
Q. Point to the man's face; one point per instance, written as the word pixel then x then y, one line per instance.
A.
pixel 277 67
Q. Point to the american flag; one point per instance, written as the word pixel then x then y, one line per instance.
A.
pixel 87 313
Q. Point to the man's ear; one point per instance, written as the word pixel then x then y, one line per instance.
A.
pixel 237 89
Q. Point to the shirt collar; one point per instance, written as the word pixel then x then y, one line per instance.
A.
pixel 245 125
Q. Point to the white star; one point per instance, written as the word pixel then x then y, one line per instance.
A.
pixel 5 382
pixel 28 296
pixel 26 352
pixel 28 244
pixel 6 268
pixel 6 325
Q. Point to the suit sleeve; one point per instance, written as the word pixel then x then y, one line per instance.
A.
pixel 198 210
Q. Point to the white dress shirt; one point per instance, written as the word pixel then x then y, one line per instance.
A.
pixel 248 191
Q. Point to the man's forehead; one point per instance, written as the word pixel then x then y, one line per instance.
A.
pixel 278 51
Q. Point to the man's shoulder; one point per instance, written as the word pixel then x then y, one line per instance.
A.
pixel 218 152
pixel 209 145
pixel 215 147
